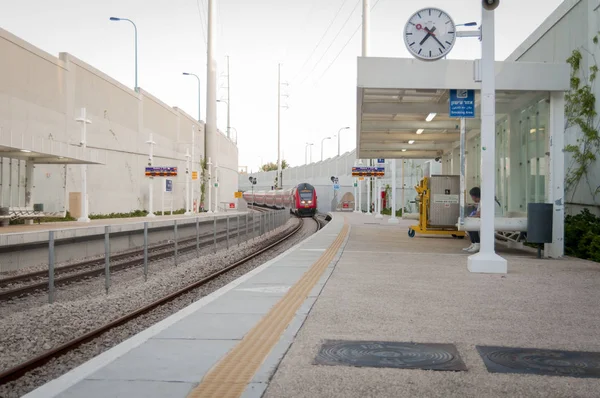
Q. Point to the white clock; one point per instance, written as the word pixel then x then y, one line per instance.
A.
pixel 430 34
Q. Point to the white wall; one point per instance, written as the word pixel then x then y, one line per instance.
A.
pixel 41 95
pixel 571 26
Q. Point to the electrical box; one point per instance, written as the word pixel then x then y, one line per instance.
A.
pixel 444 205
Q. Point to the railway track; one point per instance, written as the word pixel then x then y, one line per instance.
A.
pixel 92 268
pixel 40 360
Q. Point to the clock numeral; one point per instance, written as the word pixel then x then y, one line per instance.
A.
pixel 429 12
pixel 440 14
pixel 409 33
pixel 419 14
pixel 448 43
pixel 412 44
pixel 447 22
pixel 430 53
pixel 451 33
pixel 441 51
pixel 420 51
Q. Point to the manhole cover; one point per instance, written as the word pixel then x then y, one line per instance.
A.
pixel 540 362
pixel 388 354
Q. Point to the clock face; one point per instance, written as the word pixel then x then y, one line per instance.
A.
pixel 430 34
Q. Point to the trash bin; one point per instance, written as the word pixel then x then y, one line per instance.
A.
pixel 539 224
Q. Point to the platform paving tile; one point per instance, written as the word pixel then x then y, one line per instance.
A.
pixel 240 302
pixel 166 360
pixel 127 389
pixel 284 275
pixel 206 326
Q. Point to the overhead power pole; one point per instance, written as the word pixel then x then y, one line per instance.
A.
pixel 228 103
pixel 278 185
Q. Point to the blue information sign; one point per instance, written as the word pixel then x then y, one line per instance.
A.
pixel 381 161
pixel 168 185
pixel 462 103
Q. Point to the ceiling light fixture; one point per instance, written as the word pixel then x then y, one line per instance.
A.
pixel 25 150
pixel 411 142
pixel 404 150
pixel 430 117
pixel 420 131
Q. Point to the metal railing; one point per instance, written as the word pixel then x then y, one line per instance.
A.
pixel 228 229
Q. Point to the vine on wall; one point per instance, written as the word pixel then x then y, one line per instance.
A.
pixel 203 178
pixel 580 111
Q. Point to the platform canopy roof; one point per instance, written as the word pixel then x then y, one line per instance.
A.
pixel 403 104
pixel 41 150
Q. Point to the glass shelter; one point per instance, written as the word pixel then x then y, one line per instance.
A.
pixel 403 113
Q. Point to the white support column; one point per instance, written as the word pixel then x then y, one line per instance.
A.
pixel 368 180
pixel 378 203
pixel 463 134
pixel 216 187
pixel 556 175
pixel 187 182
pixel 193 160
pixel 151 144
pixel 210 184
pixel 355 183
pixel 403 188
pixel 393 219
pixel 84 199
pixel 487 261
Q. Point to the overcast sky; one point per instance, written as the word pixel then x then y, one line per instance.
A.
pixel 257 35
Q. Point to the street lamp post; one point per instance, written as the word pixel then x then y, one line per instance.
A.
pixel 308 144
pixel 136 47
pixel 338 134
pixel 228 120
pixel 199 96
pixel 326 138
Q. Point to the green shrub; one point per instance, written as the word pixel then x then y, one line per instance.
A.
pixel 582 236
pixel 388 212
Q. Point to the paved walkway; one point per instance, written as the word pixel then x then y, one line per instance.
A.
pixel 389 287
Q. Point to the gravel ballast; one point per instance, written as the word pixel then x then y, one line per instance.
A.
pixel 30 329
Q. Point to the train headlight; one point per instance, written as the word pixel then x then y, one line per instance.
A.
pixel 303 202
pixel 310 201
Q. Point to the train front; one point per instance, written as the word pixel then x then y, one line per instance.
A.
pixel 306 200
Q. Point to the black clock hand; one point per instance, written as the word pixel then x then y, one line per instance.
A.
pixel 439 42
pixel 429 33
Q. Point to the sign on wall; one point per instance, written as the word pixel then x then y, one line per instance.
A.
pixel 194 175
pixel 168 185
pixel 237 194
pixel 161 171
pixel 462 103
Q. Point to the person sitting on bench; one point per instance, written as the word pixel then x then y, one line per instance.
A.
pixel 475 193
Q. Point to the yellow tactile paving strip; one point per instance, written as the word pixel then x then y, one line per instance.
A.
pixel 232 374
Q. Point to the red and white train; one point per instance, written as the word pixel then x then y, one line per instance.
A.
pixel 301 199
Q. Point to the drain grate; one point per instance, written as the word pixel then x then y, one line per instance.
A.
pixel 541 362
pixel 388 354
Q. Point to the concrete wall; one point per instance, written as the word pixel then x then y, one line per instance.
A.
pixel 41 95
pixel 572 26
pixel 319 175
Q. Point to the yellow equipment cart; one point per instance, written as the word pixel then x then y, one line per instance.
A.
pixel 439 206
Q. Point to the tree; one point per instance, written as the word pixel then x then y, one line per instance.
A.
pixel 580 111
pixel 273 166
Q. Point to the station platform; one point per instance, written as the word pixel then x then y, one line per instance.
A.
pixel 359 279
pixel 33 233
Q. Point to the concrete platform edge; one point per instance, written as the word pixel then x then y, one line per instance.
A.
pixel 74 376
pixel 256 388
